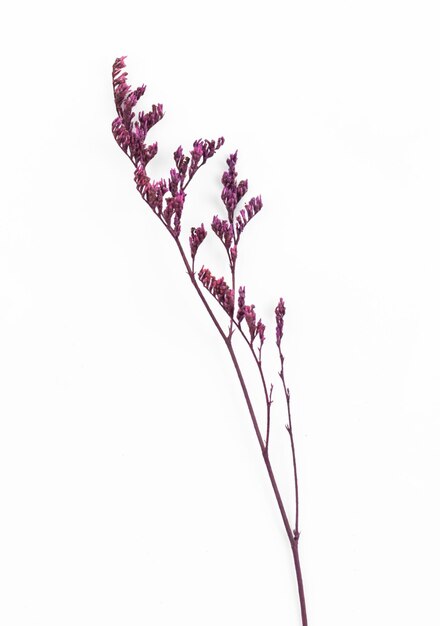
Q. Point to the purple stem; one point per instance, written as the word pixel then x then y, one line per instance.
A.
pixel 293 535
pixel 267 394
pixel 296 532
pixel 292 445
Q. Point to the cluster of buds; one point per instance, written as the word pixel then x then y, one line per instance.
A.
pixel 178 174
pixel 121 134
pixel 261 328
pixel 152 191
pixel 232 192
pixel 247 312
pixel 224 231
pixel 120 87
pixel 219 289
pixel 187 166
pixel 173 213
pixel 241 304
pixel 234 252
pixel 130 134
pixel 197 236
pixel 251 319
pixel 201 152
pixel 250 210
pixel 280 312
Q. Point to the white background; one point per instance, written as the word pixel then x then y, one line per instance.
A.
pixel 132 490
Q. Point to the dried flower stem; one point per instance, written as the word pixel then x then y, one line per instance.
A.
pixel 130 134
pixel 296 532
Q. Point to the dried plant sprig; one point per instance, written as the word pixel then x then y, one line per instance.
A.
pixel 167 201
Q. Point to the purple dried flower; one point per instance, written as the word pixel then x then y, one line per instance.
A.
pixel 174 208
pixel 242 188
pixel 228 302
pixel 120 87
pixel 247 312
pixel 149 152
pixel 201 152
pixel 196 156
pixel 260 331
pixel 232 193
pixel 280 311
pixel 151 192
pixel 175 182
pixel 219 289
pixel 148 120
pixel 128 105
pixel 250 317
pixel 141 179
pixel 241 304
pixel 211 147
pixel 250 210
pixel 140 152
pixel 155 193
pixel 223 230
pixel 181 161
pixel 197 236
pixel 121 134
pixel 131 135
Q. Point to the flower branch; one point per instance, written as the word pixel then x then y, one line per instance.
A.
pixel 166 198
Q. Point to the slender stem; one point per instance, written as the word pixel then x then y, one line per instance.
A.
pixel 267 395
pixel 293 535
pixel 296 532
pixel 262 445
pixel 302 599
pixel 292 444
pixel 269 406
pixel 232 266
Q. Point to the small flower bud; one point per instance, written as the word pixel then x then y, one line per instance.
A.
pixel 197 236
pixel 241 304
pixel 250 317
pixel 280 311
